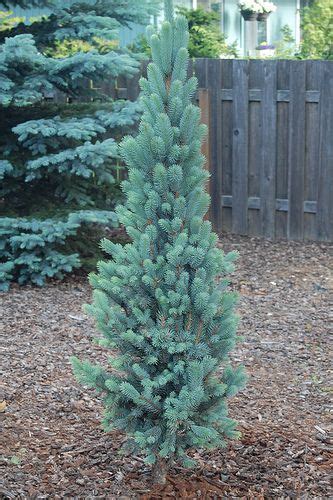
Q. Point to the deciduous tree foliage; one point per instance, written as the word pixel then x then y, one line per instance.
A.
pixel 206 38
pixel 162 301
pixel 58 159
pixel 317 30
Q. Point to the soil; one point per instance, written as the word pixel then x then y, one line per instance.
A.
pixel 52 442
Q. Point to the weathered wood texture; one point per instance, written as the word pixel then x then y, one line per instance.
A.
pixel 270 144
pixel 271 149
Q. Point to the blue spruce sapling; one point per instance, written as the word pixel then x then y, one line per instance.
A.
pixel 157 301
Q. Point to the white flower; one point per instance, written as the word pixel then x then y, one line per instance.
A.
pixel 266 7
pixel 249 6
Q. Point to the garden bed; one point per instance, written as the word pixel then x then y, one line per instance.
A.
pixel 53 445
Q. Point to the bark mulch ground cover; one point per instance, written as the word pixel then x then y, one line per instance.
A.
pixel 52 443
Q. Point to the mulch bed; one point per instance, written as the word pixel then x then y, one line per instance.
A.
pixel 52 442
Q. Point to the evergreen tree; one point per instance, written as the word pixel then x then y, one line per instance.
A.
pixel 57 160
pixel 157 301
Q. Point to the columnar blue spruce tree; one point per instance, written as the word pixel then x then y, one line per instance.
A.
pixel 157 301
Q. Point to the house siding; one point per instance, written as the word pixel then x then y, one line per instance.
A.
pixel 233 25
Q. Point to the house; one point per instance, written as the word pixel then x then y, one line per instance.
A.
pixel 232 24
pixel 247 34
pixel 235 28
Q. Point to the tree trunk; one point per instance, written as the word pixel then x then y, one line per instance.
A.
pixel 159 472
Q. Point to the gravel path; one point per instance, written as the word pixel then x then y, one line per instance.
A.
pixel 52 443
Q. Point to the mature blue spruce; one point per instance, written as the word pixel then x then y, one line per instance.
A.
pixel 57 160
pixel 157 301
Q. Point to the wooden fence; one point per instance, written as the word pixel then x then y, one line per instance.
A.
pixel 270 145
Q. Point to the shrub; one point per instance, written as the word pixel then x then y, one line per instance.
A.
pixel 206 38
pixel 317 30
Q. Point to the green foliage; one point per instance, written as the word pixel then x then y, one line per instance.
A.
pixel 31 249
pixel 7 20
pixel 206 38
pixel 286 46
pixel 65 48
pixel 317 30
pixel 157 300
pixel 141 45
pixel 59 159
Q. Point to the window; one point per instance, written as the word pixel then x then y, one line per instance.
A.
pixel 210 4
pixel 262 31
pixel 184 3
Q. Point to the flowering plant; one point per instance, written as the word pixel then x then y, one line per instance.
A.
pixel 266 7
pixel 249 6
pixel 265 46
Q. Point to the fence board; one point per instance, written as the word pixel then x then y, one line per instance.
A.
pixel 200 71
pixel 214 76
pixel 296 156
pixel 325 177
pixel 255 146
pixel 282 142
pixel 226 140
pixel 267 177
pixel 313 77
pixel 204 103
pixel 240 147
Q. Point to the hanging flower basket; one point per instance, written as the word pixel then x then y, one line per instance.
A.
pixel 249 16
pixel 249 9
pixel 265 9
pixel 262 16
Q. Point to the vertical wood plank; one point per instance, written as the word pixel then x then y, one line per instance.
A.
pixel 226 138
pixel 325 174
pixel 283 83
pixel 255 145
pixel 132 85
pixel 268 174
pixel 204 104
pixel 144 67
pixel 240 147
pixel 200 71
pixel 120 88
pixel 59 97
pixel 313 79
pixel 214 86
pixel 296 155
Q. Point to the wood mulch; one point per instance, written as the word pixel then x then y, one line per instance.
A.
pixel 52 443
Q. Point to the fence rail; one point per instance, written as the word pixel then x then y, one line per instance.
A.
pixel 270 144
